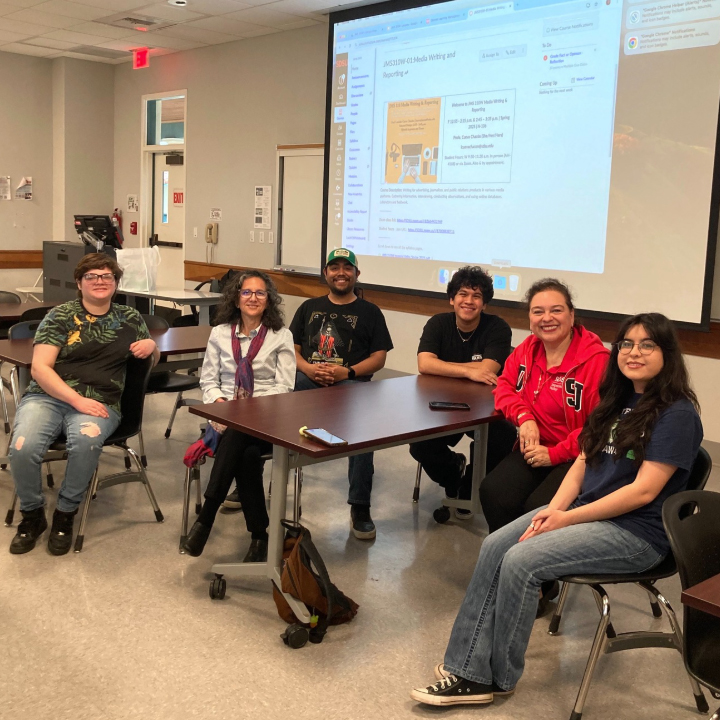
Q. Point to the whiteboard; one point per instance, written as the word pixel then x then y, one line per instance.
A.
pixel 300 200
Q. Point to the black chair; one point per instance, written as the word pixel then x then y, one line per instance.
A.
pixel 692 525
pixel 170 382
pixel 606 639
pixel 35 314
pixel 10 298
pixel 194 317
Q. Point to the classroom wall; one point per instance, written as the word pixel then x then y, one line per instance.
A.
pixel 26 149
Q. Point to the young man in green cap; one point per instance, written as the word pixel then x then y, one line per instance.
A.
pixel 342 338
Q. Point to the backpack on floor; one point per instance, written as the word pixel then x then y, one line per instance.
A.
pixel 305 577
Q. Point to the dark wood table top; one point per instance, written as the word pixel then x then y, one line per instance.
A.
pixel 704 596
pixel 11 312
pixel 175 341
pixel 364 414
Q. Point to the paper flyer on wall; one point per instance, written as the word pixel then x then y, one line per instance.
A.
pixel 5 191
pixel 263 206
pixel 24 190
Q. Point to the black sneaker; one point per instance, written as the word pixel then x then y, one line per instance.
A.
pixel 31 527
pixel 361 523
pixel 441 673
pixel 61 532
pixel 232 503
pixel 454 690
pixel 258 551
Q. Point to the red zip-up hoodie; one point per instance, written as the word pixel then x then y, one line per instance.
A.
pixel 529 390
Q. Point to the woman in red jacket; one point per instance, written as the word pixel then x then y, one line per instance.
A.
pixel 548 388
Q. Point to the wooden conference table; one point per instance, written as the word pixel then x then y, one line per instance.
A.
pixel 11 312
pixel 370 416
pixel 704 596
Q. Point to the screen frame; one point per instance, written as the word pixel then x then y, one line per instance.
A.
pixel 390 6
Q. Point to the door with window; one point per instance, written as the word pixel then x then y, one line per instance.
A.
pixel 169 218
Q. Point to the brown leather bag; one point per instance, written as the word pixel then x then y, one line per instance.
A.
pixel 305 577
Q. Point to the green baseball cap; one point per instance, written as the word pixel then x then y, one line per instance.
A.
pixel 342 254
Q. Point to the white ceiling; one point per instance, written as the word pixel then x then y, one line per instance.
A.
pixel 70 28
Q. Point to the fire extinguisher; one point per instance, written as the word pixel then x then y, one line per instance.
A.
pixel 116 220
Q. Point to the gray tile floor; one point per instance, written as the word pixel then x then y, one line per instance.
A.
pixel 126 628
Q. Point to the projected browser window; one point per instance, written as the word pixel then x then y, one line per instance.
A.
pixel 532 137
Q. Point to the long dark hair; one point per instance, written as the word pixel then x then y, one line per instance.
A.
pixel 228 312
pixel 634 429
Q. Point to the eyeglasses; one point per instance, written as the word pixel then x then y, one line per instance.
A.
pixel 106 278
pixel 646 347
pixel 259 294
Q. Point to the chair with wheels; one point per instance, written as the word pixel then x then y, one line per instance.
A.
pixel 170 382
pixel 691 522
pixel 606 639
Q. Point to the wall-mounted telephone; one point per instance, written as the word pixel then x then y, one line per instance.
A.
pixel 211 233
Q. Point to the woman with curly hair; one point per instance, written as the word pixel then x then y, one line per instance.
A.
pixel 638 448
pixel 249 353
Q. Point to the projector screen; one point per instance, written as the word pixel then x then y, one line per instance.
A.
pixel 571 138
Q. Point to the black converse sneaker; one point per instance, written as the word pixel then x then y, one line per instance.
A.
pixel 30 528
pixel 454 690
pixel 361 523
pixel 441 673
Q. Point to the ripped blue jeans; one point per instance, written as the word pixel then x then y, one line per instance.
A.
pixel 40 419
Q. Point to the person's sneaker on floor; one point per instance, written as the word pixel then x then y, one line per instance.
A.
pixel 232 503
pixel 30 528
pixel 258 551
pixel 465 492
pixel 61 532
pixel 454 690
pixel 361 523
pixel 441 673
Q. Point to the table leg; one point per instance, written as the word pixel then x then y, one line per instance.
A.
pixel 479 463
pixel 204 312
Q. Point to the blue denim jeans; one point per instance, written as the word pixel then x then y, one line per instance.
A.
pixel 492 629
pixel 40 419
pixel 360 467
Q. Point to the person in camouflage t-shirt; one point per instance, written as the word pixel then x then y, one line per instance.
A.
pixel 80 354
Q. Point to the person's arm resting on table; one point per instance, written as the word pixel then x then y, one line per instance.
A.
pixel 43 372
pixel 484 371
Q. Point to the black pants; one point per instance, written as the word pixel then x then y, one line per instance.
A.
pixel 239 457
pixel 514 488
pixel 438 460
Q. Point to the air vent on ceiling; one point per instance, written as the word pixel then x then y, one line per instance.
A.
pixel 100 52
pixel 135 21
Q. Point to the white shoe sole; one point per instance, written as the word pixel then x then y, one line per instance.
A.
pixel 440 700
pixel 440 674
pixel 362 535
pixel 464 516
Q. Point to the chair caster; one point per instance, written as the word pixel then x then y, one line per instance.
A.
pixel 441 515
pixel 217 588
pixel 50 480
pixel 167 433
pixel 296 636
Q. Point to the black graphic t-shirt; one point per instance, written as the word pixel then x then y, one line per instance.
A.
pixel 675 440
pixel 94 349
pixel 340 334
pixel 491 340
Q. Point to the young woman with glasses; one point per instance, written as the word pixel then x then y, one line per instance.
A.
pixel 638 448
pixel 249 353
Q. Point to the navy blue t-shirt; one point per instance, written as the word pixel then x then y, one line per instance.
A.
pixel 675 440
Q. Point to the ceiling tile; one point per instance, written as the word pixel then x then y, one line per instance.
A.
pixel 91 58
pixel 262 15
pixel 71 9
pixel 303 7
pixel 8 37
pixel 47 42
pixel 113 6
pixel 231 27
pixel 22 27
pixel 157 40
pixel 23 3
pixel 74 37
pixel 169 12
pixel 31 15
pixel 219 7
pixel 210 37
pixel 27 49
pixel 104 31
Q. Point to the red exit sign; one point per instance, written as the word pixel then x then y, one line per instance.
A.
pixel 141 58
pixel 178 197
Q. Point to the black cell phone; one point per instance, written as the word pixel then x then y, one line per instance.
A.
pixel 441 405
pixel 324 437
